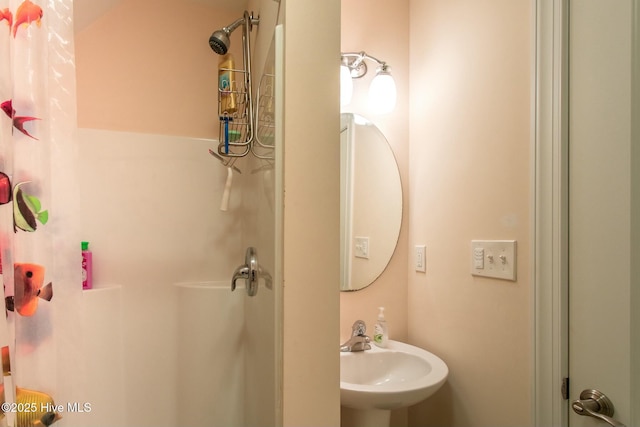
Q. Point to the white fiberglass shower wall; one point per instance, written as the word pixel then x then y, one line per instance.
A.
pixel 167 342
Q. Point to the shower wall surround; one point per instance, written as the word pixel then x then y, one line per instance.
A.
pixel 135 76
pixel 104 357
pixel 152 215
pixel 210 336
pixel 151 207
pixel 151 195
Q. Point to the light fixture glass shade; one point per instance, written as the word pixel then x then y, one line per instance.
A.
pixel 346 86
pixel 382 93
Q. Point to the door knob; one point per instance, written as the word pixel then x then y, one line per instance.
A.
pixel 594 403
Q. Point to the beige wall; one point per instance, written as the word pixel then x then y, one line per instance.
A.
pixel 311 394
pixel 470 179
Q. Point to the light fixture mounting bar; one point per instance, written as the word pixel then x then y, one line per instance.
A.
pixel 355 62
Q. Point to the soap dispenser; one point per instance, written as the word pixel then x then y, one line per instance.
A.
pixel 381 330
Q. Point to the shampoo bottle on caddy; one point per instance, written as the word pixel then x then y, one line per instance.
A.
pixel 87 266
pixel 227 85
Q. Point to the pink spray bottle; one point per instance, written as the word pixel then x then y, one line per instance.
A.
pixel 87 266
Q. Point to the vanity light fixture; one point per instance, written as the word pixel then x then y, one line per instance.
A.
pixel 346 85
pixel 382 91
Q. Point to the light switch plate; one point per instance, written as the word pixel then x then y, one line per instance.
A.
pixel 421 258
pixel 498 259
pixel 361 249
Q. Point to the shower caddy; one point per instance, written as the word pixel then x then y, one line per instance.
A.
pixel 241 129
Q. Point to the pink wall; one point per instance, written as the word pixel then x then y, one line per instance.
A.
pixel 135 75
pixel 382 32
pixel 461 133
pixel 470 179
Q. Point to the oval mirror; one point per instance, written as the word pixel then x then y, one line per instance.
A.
pixel 370 202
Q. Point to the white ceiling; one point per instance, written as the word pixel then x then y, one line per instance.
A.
pixel 87 11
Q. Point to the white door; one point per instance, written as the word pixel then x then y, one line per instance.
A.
pixel 603 343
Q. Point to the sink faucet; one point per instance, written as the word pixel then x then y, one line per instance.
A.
pixel 358 341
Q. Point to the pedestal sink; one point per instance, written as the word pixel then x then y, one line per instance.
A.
pixel 373 382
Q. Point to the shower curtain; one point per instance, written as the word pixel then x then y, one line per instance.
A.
pixel 40 331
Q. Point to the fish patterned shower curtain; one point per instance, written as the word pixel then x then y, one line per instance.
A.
pixel 40 333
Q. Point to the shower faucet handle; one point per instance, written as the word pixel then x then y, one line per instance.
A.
pixel 251 272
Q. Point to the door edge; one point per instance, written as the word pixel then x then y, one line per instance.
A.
pixel 550 184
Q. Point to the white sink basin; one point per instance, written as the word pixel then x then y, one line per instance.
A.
pixel 389 378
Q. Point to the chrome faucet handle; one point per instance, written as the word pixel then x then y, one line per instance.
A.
pixel 241 272
pixel 362 343
pixel 359 341
pixel 251 272
pixel 356 343
pixel 359 328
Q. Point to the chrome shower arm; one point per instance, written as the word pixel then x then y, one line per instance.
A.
pixel 231 28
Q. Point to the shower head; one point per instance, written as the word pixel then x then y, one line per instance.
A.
pixel 220 41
